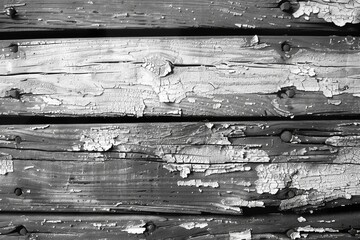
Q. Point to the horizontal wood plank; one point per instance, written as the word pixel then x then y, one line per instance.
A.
pixel 268 226
pixel 157 167
pixel 238 77
pixel 320 16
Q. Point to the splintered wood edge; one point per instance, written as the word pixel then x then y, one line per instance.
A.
pixel 239 77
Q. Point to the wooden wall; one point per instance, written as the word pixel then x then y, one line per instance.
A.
pixel 179 119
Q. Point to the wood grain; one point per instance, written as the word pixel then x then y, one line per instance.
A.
pixel 92 226
pixel 113 14
pixel 157 167
pixel 237 77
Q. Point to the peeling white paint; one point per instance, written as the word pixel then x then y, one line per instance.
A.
pixel 343 141
pixel 308 228
pixel 339 12
pixel 301 219
pixel 235 201
pixel 101 139
pixel 102 225
pixel 245 235
pixel 208 169
pixel 40 127
pixel 198 183
pixel 191 225
pixel 51 101
pixel 135 228
pixel 216 154
pixel 6 164
pixel 319 182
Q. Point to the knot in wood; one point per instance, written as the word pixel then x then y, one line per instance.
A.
pixel 158 65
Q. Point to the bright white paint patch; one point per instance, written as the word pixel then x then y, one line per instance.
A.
pixel 320 182
pixel 339 12
pixel 245 235
pixel 6 164
pixel 191 225
pixel 198 183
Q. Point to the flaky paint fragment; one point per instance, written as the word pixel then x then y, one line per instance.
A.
pixel 346 141
pixel 100 139
pixel 216 154
pixel 348 155
pixel 318 183
pixel 235 201
pixel 135 228
pixel 245 235
pixel 191 225
pixel 198 183
pixel 6 164
pixel 339 12
pixel 186 169
pixel 51 101
pixel 301 219
pixel 102 225
pixel 211 159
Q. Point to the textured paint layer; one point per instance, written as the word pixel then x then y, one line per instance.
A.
pixel 316 184
pixel 339 12
pixel 6 164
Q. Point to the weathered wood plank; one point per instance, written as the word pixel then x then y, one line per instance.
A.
pixel 241 76
pixel 269 226
pixel 114 14
pixel 158 167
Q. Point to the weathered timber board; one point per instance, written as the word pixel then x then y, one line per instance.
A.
pixel 113 14
pixel 269 226
pixel 158 167
pixel 240 76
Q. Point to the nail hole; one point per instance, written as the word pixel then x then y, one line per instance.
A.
pixel 291 194
pixel 18 191
pixel 290 232
pixel 289 6
pixel 13 93
pixel 11 12
pixel 13 48
pixel 17 140
pixel 290 93
pixel 22 230
pixel 286 136
pixel 285 47
pixel 150 227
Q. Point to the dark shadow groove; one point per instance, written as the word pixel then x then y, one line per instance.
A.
pixel 314 29
pixel 247 212
pixel 16 120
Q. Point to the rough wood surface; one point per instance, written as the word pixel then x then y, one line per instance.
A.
pixel 261 226
pixel 158 167
pixel 114 14
pixel 240 76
